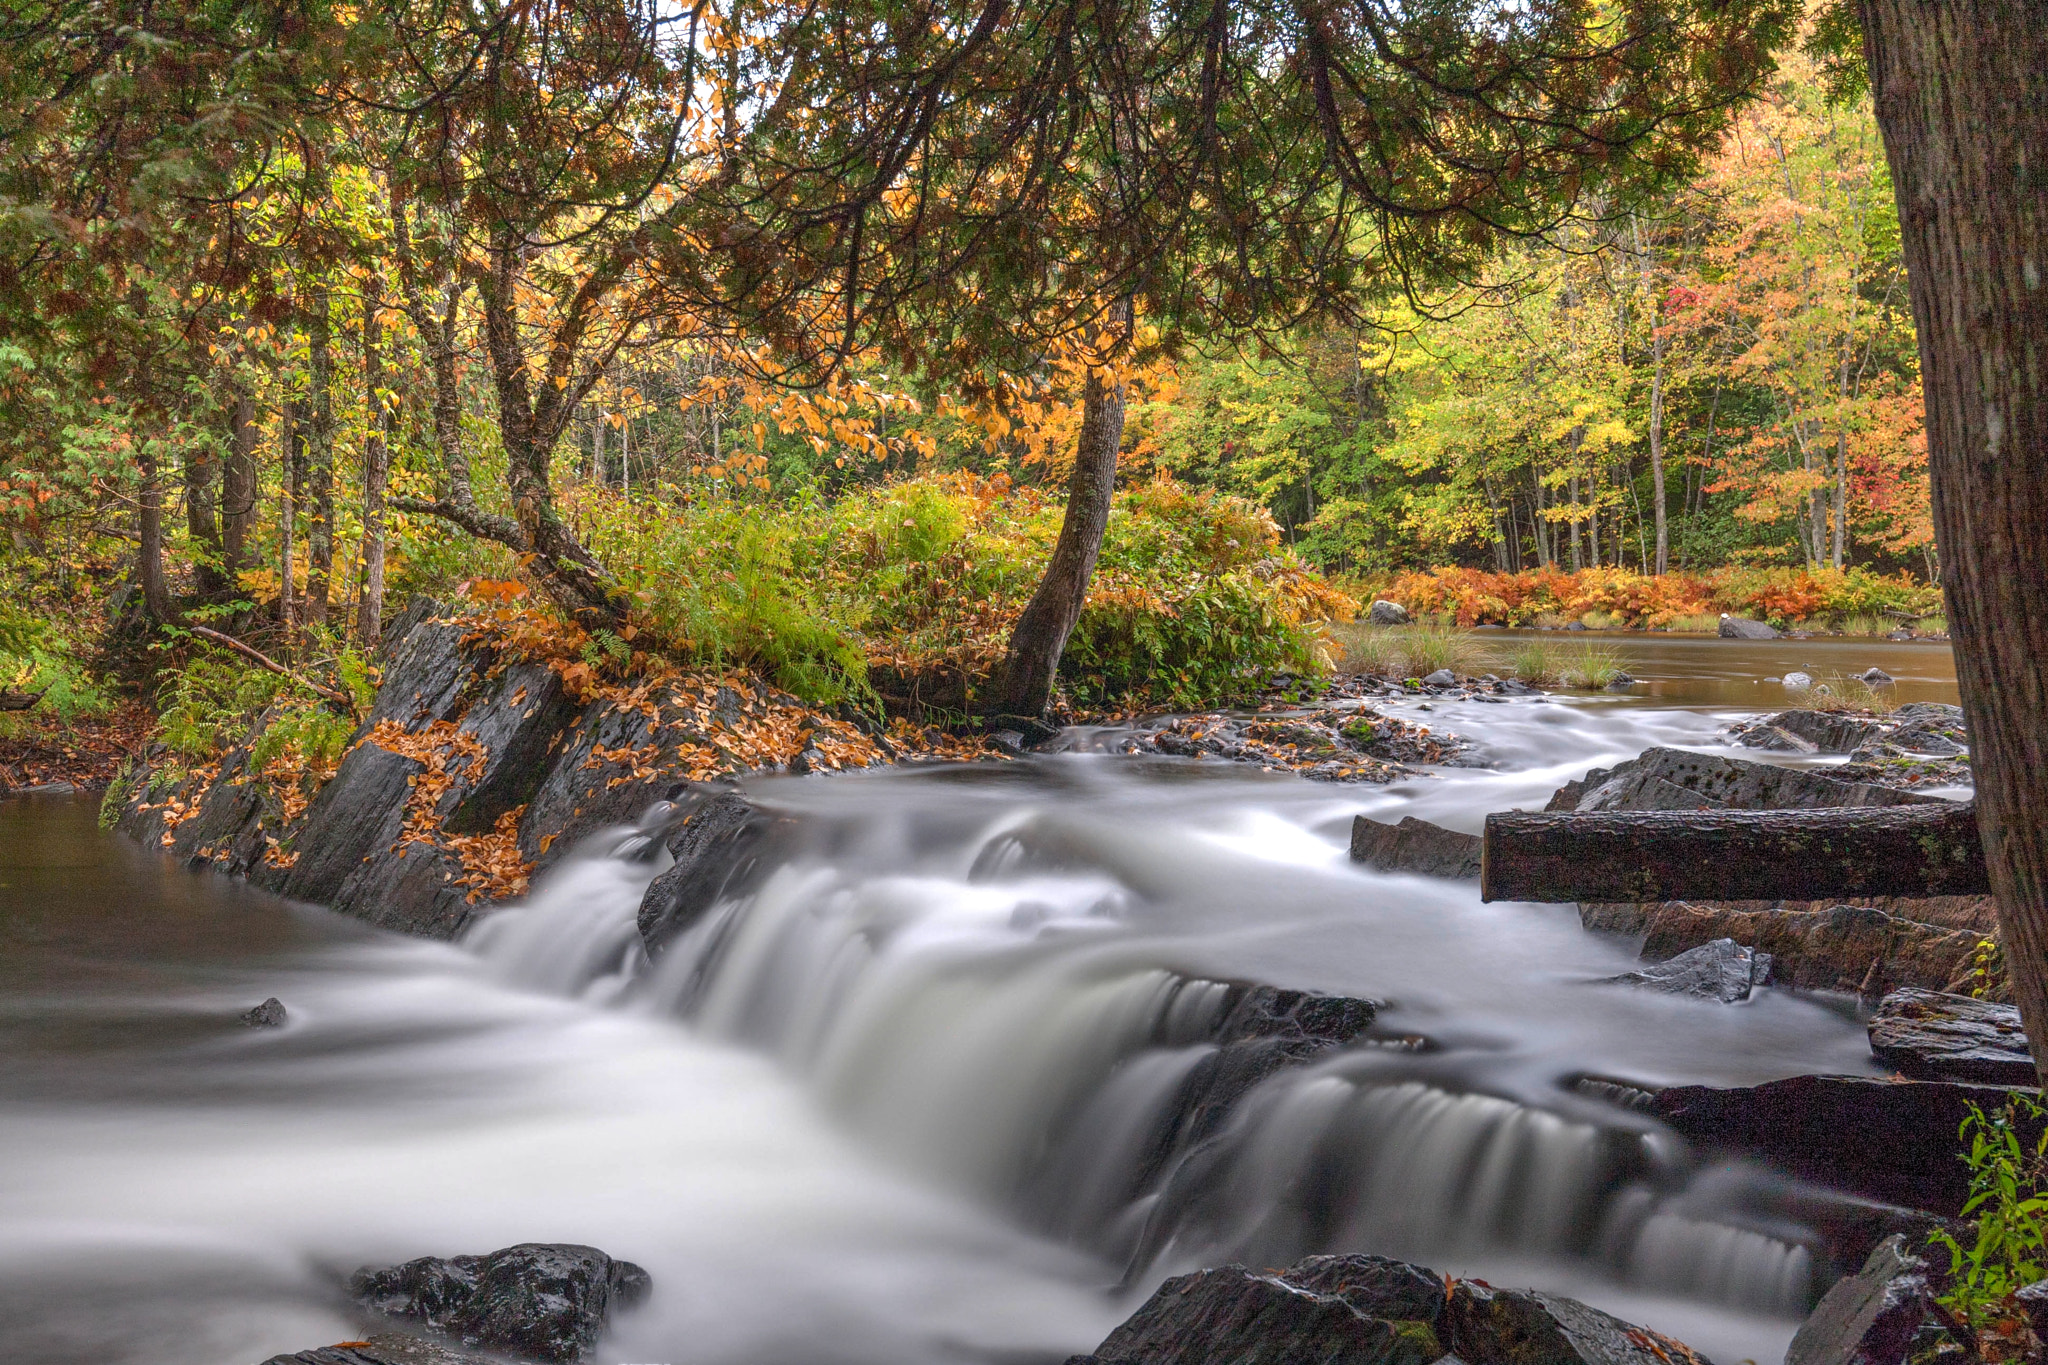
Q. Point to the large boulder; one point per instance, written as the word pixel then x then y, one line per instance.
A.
pixel 1365 1310
pixel 1722 970
pixel 1933 1035
pixel 1894 1141
pixel 1234 1316
pixel 718 850
pixel 1385 613
pixel 1675 779
pixel 1414 846
pixel 1488 1326
pixel 1851 948
pixel 1738 628
pixel 1872 1317
pixel 550 1302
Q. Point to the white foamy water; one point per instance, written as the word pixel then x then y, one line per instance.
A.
pixel 905 1100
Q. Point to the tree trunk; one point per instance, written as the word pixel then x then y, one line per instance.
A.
pixel 1732 855
pixel 202 516
pixel 149 537
pixel 288 512
pixel 1041 633
pixel 376 467
pixel 238 485
pixel 320 459
pixel 1962 101
pixel 1656 402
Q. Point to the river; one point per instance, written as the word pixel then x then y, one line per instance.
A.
pixel 889 1108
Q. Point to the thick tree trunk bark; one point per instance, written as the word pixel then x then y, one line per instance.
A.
pixel 1730 855
pixel 376 467
pixel 1040 636
pixel 149 538
pixel 238 485
pixel 202 517
pixel 288 512
pixel 320 459
pixel 1962 101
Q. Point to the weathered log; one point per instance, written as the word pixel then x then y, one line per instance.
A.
pixel 19 701
pixel 1727 855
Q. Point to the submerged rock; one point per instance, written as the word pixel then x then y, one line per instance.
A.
pixel 1414 846
pixel 1722 970
pixel 1870 1318
pixel 547 1301
pixel 1933 1035
pixel 1738 628
pixel 1894 1141
pixel 1368 1310
pixel 269 1014
pixel 717 849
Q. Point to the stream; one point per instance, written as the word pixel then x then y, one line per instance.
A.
pixel 898 1105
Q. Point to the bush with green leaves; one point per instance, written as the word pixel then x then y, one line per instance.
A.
pixel 2006 1248
pixel 36 657
pixel 1194 602
pixel 215 700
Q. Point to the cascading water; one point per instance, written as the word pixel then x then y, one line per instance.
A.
pixel 918 1093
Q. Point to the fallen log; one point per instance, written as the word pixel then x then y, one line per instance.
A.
pixel 1732 855
pixel 19 701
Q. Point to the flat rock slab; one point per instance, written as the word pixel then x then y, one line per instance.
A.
pixel 547 1301
pixel 1675 779
pixel 1894 1141
pixel 1933 1035
pixel 1850 948
pixel 1721 970
pixel 1415 846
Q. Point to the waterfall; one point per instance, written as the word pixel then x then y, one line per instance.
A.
pixel 974 1008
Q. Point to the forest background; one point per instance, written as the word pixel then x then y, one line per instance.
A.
pixel 1702 402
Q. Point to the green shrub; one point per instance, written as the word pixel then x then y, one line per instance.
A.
pixel 34 657
pixel 212 703
pixel 2007 1248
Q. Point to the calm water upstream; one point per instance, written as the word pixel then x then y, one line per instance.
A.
pixel 892 1106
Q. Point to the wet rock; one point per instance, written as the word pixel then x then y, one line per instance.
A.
pixel 428 670
pixel 380 1350
pixel 1488 1326
pixel 357 816
pixel 1326 745
pixel 1798 682
pixel 1620 682
pixel 547 1301
pixel 1007 741
pixel 1850 948
pixel 1375 1285
pixel 1443 677
pixel 1234 1316
pixel 514 724
pixel 717 849
pixel 1721 970
pixel 1385 613
pixel 1801 731
pixel 1869 1318
pixel 1936 1036
pixel 1414 846
pixel 269 1014
pixel 1875 677
pixel 1673 779
pixel 1737 628
pixel 1894 1141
